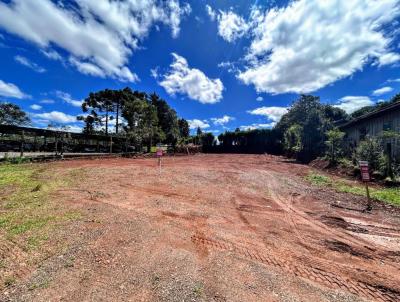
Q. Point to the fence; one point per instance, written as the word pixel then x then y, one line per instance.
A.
pixel 14 139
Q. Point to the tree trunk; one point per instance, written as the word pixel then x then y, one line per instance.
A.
pixel 116 125
pixel 107 122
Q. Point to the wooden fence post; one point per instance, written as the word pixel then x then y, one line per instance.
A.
pixel 22 143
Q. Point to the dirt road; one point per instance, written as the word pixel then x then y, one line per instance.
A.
pixel 215 228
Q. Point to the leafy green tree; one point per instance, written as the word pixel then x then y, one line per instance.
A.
pixel 11 114
pixel 184 130
pixel 309 114
pixel 293 140
pixel 207 140
pixel 103 103
pixel 334 145
pixel 371 150
pixel 167 118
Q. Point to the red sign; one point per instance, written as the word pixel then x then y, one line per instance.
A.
pixel 364 171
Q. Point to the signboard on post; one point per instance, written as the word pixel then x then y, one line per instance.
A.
pixel 159 154
pixel 364 169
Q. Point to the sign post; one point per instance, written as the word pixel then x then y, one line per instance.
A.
pixel 366 178
pixel 159 154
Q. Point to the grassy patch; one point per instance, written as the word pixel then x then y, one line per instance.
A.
pixel 318 180
pixel 28 214
pixel 389 195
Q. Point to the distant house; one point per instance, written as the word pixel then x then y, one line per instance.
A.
pixel 374 124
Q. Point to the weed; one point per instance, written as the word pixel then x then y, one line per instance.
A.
pixel 318 180
pixel 388 195
pixel 8 281
pixel 198 290
pixel 42 284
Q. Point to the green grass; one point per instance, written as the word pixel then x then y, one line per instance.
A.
pixel 318 180
pixel 28 214
pixel 389 195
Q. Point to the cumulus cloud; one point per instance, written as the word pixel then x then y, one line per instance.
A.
pixel 12 91
pixel 310 43
pixel 195 123
pixel 259 99
pixel 272 113
pixel 231 26
pixel 219 121
pixel 98 35
pixel 353 103
pixel 55 116
pixel 66 97
pixel 192 82
pixel 26 62
pixel 35 107
pixel 382 91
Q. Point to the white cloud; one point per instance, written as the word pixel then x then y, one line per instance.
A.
pixel 258 126
pixel 231 26
pixel 98 35
pixel 35 107
pixel 192 82
pixel 353 103
pixel 222 120
pixel 26 62
pixel 211 13
pixel 229 66
pixel 394 81
pixel 52 54
pixel 272 113
pixel 195 123
pixel 382 91
pixel 12 91
pixel 259 99
pixel 311 43
pixel 55 116
pixel 47 101
pixel 389 58
pixel 154 72
pixel 66 97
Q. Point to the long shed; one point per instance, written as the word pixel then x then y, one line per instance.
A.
pixel 374 124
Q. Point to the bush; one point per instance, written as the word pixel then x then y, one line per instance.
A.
pixel 372 151
pixel 334 144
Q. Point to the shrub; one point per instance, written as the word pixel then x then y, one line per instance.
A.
pixel 334 144
pixel 372 151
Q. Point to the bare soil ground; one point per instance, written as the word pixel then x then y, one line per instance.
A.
pixel 214 228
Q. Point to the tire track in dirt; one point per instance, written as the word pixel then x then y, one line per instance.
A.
pixel 312 273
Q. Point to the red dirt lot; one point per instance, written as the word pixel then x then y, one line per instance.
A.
pixel 216 228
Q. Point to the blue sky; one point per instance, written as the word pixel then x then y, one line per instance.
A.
pixel 220 64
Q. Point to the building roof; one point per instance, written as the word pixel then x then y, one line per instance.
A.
pixel 375 113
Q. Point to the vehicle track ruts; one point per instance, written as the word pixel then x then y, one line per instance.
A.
pixel 376 292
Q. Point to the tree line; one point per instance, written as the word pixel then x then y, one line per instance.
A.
pixel 307 131
pixel 145 119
